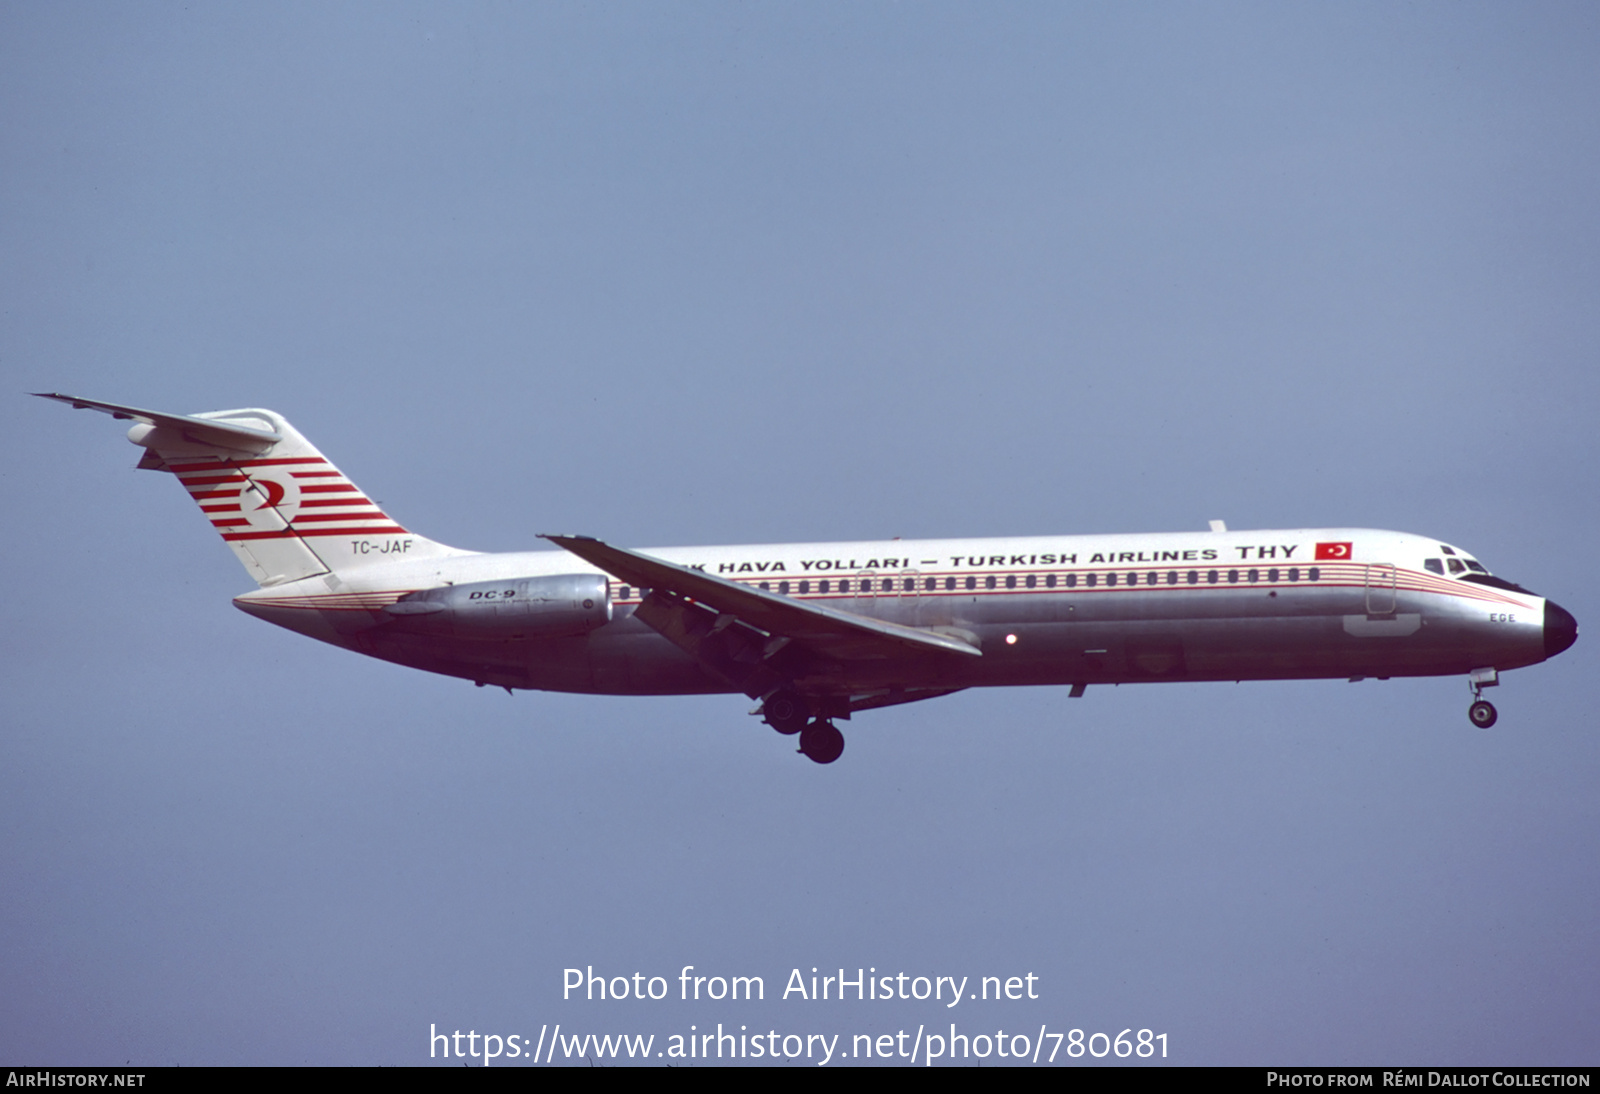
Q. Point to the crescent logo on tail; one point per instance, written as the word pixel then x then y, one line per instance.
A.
pixel 274 491
pixel 268 503
pixel 1335 551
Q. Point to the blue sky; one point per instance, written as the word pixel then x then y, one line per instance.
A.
pixel 705 273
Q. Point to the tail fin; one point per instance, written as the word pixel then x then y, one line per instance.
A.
pixel 284 509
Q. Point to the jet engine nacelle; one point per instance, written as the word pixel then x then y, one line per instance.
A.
pixel 524 607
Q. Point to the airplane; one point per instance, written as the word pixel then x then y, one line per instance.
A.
pixel 818 632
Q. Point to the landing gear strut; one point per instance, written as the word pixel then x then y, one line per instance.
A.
pixel 821 741
pixel 1482 711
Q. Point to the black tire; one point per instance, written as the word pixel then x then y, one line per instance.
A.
pixel 821 742
pixel 786 711
pixel 1483 714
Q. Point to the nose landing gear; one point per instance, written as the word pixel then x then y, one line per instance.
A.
pixel 1482 711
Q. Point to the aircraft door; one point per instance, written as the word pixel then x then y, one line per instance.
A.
pixel 908 586
pixel 1380 589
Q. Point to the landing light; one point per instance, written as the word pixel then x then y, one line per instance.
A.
pixel 1011 640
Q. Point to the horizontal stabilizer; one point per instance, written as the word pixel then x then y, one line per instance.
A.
pixel 202 431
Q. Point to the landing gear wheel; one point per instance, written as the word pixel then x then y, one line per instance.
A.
pixel 1483 714
pixel 786 711
pixel 821 742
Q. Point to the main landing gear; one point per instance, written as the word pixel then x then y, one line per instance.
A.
pixel 1482 711
pixel 821 741
pixel 786 711
pixel 789 712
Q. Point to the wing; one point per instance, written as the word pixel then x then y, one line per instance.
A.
pixel 693 609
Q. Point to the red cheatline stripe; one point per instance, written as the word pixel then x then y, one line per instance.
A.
pixel 331 489
pixel 328 603
pixel 213 494
pixel 358 500
pixel 228 523
pixel 314 474
pixel 226 507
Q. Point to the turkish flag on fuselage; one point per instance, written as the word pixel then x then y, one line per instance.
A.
pixel 1333 550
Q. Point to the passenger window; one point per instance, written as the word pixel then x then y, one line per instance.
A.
pixel 1211 577
pixel 1255 574
pixel 1011 581
pixel 972 582
pixel 1049 581
pixel 1151 578
pixel 1072 581
pixel 1315 573
pixel 1294 573
pixel 1233 577
pixel 1032 580
pixel 765 588
pixel 805 587
pixel 949 583
pixel 989 582
pixel 623 593
pixel 1111 579
pixel 1194 577
pixel 1090 580
pixel 1172 577
pixel 844 584
pixel 783 587
pixel 822 586
pixel 1272 574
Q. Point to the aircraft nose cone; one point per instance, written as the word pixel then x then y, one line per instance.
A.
pixel 1560 628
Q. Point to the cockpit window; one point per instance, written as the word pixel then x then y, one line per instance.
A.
pixel 1445 549
pixel 1434 565
pixel 1497 583
pixel 1455 565
pixel 1476 567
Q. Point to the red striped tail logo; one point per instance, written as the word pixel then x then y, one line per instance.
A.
pixel 304 496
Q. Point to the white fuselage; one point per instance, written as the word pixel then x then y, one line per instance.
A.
pixel 1051 609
